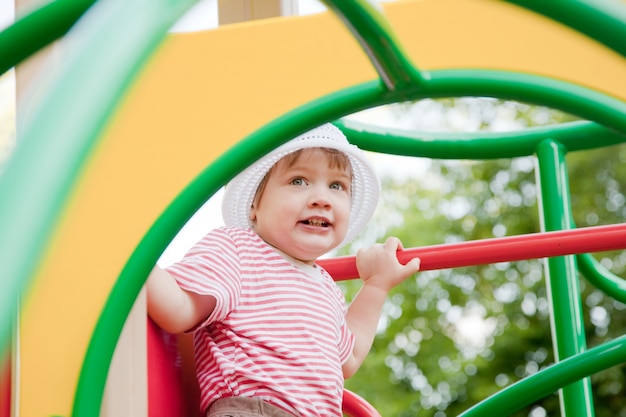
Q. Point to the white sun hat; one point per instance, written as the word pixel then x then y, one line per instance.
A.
pixel 240 191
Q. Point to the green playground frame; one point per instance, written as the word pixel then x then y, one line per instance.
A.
pixel 24 238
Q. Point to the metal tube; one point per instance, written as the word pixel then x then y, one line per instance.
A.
pixel 504 249
pixel 568 328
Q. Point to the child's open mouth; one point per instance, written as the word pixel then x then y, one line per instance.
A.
pixel 315 222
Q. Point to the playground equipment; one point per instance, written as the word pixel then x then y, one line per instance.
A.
pixel 127 159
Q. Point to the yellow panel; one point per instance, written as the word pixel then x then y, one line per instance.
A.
pixel 205 91
pixel 498 35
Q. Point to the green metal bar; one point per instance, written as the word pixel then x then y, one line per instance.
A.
pixel 575 136
pixel 568 334
pixel 602 278
pixel 537 386
pixel 371 29
pixel 550 92
pixel 38 29
pixel 606 111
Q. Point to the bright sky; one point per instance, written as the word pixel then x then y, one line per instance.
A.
pixel 6 13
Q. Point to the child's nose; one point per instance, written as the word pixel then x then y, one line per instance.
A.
pixel 320 196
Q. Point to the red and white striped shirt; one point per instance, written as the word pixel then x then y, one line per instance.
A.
pixel 277 333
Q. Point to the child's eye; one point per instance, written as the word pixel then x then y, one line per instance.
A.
pixel 337 186
pixel 297 181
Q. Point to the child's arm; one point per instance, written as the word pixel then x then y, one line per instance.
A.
pixel 380 271
pixel 172 308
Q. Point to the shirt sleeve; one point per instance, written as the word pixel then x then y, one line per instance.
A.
pixel 212 267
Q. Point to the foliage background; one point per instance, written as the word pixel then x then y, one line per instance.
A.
pixel 449 339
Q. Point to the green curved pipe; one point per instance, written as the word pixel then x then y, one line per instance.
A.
pixel 545 382
pixel 38 29
pixel 372 30
pixel 575 136
pixel 528 88
pixel 601 278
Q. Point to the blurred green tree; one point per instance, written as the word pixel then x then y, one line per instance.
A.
pixel 451 338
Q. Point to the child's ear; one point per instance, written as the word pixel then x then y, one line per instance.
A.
pixel 252 213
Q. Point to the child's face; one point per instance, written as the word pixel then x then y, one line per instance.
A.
pixel 304 208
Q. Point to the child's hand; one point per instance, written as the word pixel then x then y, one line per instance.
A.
pixel 378 265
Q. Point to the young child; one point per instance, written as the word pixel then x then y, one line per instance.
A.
pixel 272 333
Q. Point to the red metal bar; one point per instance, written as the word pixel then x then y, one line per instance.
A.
pixel 504 249
pixel 5 385
pixel 355 406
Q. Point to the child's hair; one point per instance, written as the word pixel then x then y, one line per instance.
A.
pixel 336 159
